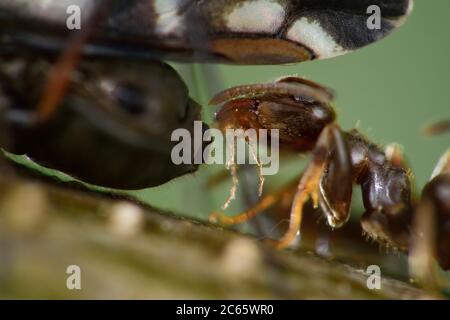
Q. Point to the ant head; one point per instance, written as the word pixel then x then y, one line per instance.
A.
pixel 300 109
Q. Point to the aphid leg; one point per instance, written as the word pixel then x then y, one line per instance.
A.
pixel 59 78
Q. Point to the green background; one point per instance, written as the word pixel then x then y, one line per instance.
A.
pixel 391 89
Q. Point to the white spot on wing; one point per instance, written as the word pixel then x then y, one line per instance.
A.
pixel 168 19
pixel 258 16
pixel 400 21
pixel 313 36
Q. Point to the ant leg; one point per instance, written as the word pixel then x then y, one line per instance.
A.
pixel 59 79
pixel 422 252
pixel 327 180
pixel 265 203
pixel 284 195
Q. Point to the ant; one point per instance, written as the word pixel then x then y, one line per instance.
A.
pixel 302 111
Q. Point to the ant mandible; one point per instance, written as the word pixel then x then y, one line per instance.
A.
pixel 302 111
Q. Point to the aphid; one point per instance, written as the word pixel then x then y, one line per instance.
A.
pixel 113 123
pixel 302 111
pixel 116 102
pixel 113 127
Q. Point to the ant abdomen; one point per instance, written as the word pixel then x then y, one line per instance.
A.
pixel 386 192
pixel 437 194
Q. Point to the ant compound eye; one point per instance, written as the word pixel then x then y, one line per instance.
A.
pixel 130 99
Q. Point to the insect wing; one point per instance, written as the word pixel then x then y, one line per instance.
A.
pixel 240 31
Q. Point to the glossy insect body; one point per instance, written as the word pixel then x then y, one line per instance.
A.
pixel 237 31
pixel 215 30
pixel 113 127
pixel 302 111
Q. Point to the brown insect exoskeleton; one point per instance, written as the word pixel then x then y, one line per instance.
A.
pixel 302 111
pixel 129 110
pixel 103 118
